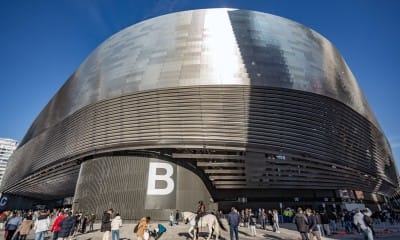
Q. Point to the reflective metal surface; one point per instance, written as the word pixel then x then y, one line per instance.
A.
pixel 207 47
pixel 248 100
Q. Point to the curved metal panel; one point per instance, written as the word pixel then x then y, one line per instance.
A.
pixel 321 138
pixel 207 47
pixel 120 182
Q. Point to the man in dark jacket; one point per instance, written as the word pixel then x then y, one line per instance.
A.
pixel 233 221
pixel 301 222
pixel 106 224
pixel 67 227
pixel 91 222
pixel 312 224
pixel 325 223
pixel 177 215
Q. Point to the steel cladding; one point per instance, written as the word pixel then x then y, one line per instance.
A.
pixel 252 100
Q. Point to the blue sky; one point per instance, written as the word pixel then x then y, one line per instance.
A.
pixel 43 42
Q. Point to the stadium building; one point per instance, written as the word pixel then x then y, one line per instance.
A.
pixel 232 107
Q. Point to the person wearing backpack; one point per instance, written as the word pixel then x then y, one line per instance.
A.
pixel 368 220
pixel 359 221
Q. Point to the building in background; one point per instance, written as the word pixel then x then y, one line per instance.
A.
pixel 7 147
pixel 231 107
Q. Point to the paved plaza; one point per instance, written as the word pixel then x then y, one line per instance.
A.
pixel 287 232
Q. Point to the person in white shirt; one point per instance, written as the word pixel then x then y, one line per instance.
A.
pixel 42 225
pixel 116 223
pixel 358 220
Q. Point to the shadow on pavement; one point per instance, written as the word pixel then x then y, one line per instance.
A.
pixel 201 235
pixel 268 236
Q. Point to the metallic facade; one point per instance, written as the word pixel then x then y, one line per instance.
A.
pixel 243 99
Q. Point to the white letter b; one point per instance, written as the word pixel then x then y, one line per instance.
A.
pixel 153 177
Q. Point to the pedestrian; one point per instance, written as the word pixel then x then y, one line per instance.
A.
pixel 106 224
pixel 348 222
pixel 55 228
pixel 67 226
pixel 42 225
pixel 12 225
pixel 270 217
pixel 253 221
pixel 78 218
pixel 116 223
pixel 263 218
pixel 368 220
pixel 143 229
pixel 301 222
pixel 171 219
pixel 91 222
pixel 312 225
pixel 332 221
pixel 360 222
pixel 319 224
pixel 3 218
pixel 177 217
pixel 234 221
pixel 325 223
pixel 275 220
pixel 84 221
pixel 25 227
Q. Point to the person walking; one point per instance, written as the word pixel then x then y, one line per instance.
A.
pixel 84 222
pixel 12 224
pixel 301 222
pixel 42 225
pixel 67 226
pixel 312 225
pixel 55 228
pixel 270 217
pixel 177 215
pixel 360 222
pixel 234 221
pixel 275 221
pixel 91 222
pixel 25 227
pixel 106 224
pixel 263 218
pixel 252 223
pixel 116 223
pixel 143 229
pixel 171 219
pixel 325 223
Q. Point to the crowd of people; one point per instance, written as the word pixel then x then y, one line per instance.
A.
pixel 310 224
pixel 61 224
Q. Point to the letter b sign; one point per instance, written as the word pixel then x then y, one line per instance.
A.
pixel 166 178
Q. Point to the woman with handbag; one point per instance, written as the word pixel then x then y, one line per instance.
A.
pixel 143 229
